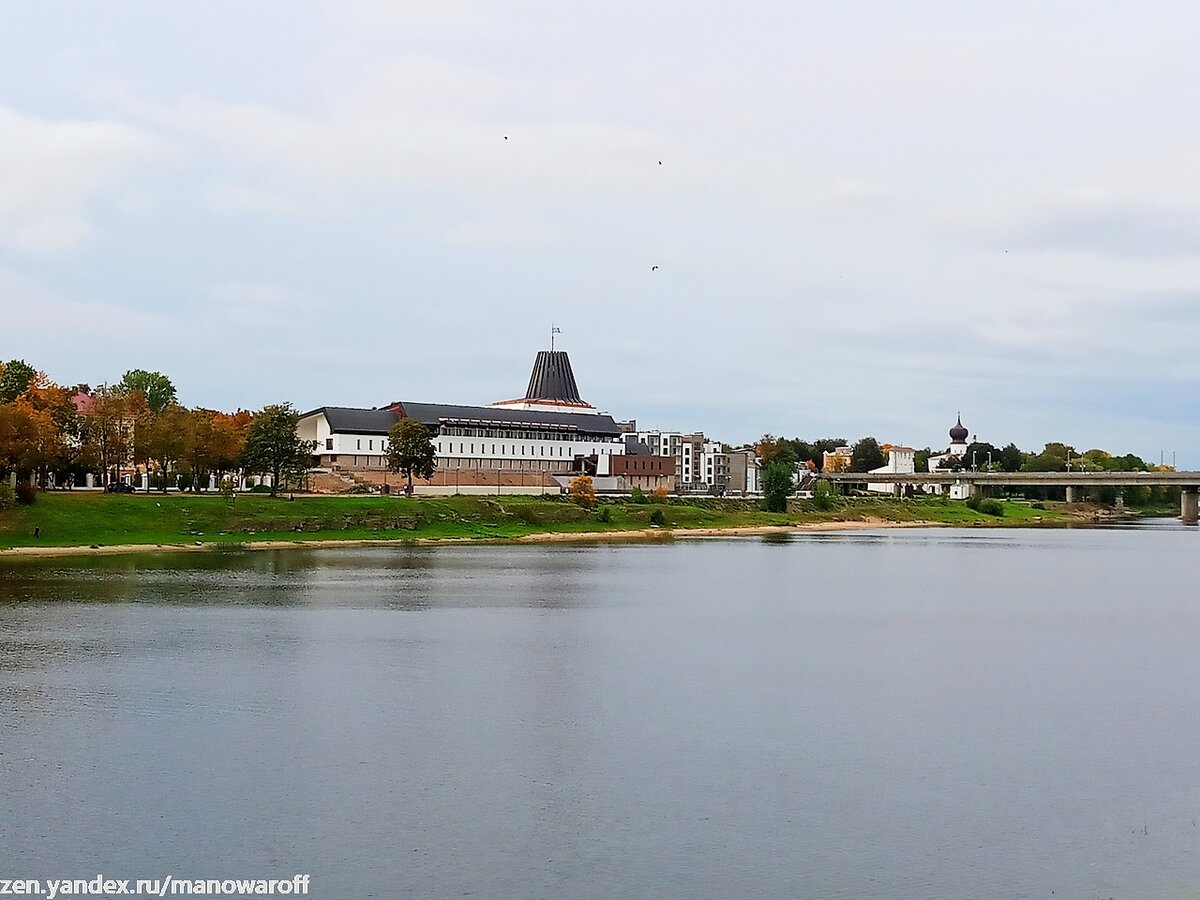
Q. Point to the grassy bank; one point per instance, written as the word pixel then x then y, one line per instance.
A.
pixel 90 519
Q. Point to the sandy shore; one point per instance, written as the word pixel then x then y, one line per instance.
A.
pixel 652 534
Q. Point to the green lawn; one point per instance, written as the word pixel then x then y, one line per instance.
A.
pixel 84 519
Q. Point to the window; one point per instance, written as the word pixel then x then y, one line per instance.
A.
pixel 371 445
pixel 358 446
pixel 328 443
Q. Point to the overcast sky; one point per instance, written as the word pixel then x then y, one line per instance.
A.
pixel 867 217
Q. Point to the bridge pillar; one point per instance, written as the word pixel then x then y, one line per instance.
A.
pixel 1189 505
pixel 1072 494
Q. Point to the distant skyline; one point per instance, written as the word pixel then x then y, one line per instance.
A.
pixel 865 218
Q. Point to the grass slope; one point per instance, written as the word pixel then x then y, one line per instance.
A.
pixel 83 519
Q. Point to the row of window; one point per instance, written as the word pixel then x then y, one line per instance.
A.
pixel 510 449
pixel 508 434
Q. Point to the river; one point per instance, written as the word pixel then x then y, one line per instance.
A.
pixel 913 713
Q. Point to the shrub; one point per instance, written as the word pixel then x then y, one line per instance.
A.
pixel 583 492
pixel 822 497
pixel 263 489
pixel 186 481
pixel 660 495
pixel 8 497
pixel 26 492
pixel 973 502
pixel 1037 505
pixel 657 518
pixel 605 514
pixel 991 507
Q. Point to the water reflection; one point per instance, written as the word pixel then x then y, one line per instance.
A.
pixel 905 713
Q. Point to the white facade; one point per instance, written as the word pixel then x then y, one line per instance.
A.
pixel 478 446
pixel 901 461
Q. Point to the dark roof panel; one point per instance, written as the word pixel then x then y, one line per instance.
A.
pixel 552 378
pixel 343 420
pixel 433 413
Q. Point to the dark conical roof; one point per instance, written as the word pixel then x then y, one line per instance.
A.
pixel 958 433
pixel 552 378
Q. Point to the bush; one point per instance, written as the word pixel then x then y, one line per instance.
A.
pixel 605 514
pixel 973 502
pixel 991 507
pixel 8 497
pixel 263 489
pixel 637 495
pixel 186 481
pixel 26 492
pixel 823 495
pixel 660 495
pixel 657 518
pixel 582 491
pixel 1037 505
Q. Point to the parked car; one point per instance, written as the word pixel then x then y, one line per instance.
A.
pixel 119 487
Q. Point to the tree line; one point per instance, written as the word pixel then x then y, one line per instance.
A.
pixel 794 454
pixel 53 434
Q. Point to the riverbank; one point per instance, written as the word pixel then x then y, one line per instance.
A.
pixel 81 524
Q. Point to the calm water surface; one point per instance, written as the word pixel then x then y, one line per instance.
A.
pixel 901 714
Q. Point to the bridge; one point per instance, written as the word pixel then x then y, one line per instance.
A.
pixel 1187 482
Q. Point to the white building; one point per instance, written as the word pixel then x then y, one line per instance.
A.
pixel 956 451
pixel 701 465
pixel 900 461
pixel 541 432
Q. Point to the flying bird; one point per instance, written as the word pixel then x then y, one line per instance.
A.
pixel 660 162
pixel 654 268
pixel 506 137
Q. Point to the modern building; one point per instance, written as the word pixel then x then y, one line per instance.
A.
pixel 745 473
pixel 701 465
pixel 507 444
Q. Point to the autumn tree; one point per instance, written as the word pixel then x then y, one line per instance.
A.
pixel 273 446
pixel 108 431
pixel 410 451
pixel 583 491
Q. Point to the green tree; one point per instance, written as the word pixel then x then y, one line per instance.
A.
pixel 273 447
pixel 1011 458
pixel 155 387
pixel 410 451
pixel 823 495
pixel 15 378
pixel 866 455
pixel 777 486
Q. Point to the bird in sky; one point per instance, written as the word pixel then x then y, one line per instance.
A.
pixel 660 162
pixel 506 137
pixel 654 268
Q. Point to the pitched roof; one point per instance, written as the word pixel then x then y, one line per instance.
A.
pixel 434 413
pixel 347 420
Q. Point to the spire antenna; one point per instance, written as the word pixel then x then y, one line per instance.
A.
pixel 553 331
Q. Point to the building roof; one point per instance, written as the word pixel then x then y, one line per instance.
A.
pixel 348 420
pixel 552 378
pixel 958 433
pixel 435 413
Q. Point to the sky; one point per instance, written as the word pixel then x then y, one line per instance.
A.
pixel 865 217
